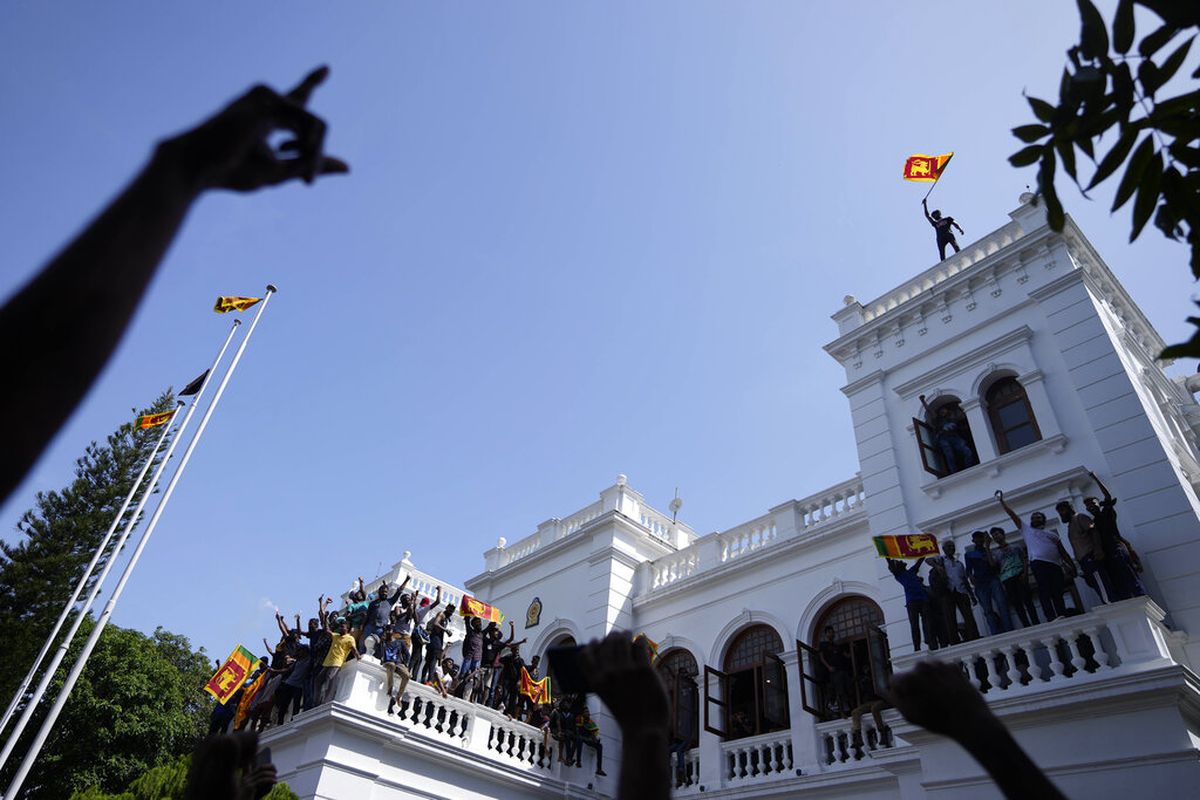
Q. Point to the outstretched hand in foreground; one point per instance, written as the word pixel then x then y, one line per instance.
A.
pixel 937 696
pixel 619 671
pixel 60 329
pixel 226 766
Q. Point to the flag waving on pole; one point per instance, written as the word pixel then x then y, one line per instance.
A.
pixel 926 169
pixel 194 386
pixel 226 304
pixel 910 545
pixel 145 421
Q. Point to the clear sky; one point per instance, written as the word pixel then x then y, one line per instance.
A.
pixel 579 239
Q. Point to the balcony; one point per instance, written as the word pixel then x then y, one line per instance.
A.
pixel 345 747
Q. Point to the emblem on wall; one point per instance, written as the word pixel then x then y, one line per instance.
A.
pixel 533 615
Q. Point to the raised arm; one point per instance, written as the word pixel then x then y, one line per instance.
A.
pixel 1100 485
pixel 1008 510
pixel 437 596
pixel 924 405
pixel 960 230
pixel 283 629
pixel 917 565
pixel 70 317
pixel 399 591
pixel 297 631
pixel 512 633
pixel 322 614
pixel 925 206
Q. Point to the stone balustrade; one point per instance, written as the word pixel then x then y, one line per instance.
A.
pixel 796 518
pixel 757 758
pixel 838 745
pixel 1115 639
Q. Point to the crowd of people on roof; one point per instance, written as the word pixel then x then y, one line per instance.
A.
pixel 407 634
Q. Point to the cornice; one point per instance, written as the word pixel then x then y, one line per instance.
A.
pixel 995 347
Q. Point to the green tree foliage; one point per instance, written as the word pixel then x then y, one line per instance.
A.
pixel 1106 87
pixel 60 534
pixel 167 783
pixel 139 704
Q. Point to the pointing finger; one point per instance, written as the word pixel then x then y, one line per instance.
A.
pixel 305 88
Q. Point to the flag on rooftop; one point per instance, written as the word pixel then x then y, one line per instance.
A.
pixel 194 386
pixel 230 675
pixel 470 607
pixel 909 545
pixel 227 304
pixel 145 421
pixel 926 169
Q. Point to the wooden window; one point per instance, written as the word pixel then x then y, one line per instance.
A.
pixel 858 630
pixel 931 456
pixel 1011 415
pixel 679 674
pixel 751 691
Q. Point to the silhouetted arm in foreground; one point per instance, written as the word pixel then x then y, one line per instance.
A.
pixel 60 329
pixel 938 697
pixel 620 672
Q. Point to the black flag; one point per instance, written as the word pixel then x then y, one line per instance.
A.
pixel 194 386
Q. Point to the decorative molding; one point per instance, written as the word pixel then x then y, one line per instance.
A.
pixel 956 366
pixel 938 486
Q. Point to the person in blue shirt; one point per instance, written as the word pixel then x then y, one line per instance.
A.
pixel 916 600
pixel 984 572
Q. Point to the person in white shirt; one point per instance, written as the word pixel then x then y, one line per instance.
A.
pixel 1047 559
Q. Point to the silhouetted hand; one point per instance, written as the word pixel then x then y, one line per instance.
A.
pixel 258 781
pixel 619 671
pixel 938 697
pixel 231 150
pixel 217 763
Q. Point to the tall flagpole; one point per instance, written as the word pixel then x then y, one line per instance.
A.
pixel 48 724
pixel 61 653
pixel 87 574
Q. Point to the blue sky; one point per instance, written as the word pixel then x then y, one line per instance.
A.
pixel 579 239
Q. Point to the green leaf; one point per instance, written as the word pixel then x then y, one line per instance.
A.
pixel 1054 211
pixel 1093 36
pixel 1174 62
pixel 1188 156
pixel 1152 43
pixel 1026 156
pixel 1147 197
pixel 1085 144
pixel 1148 77
pixel 1030 133
pixel 1115 157
pixel 1066 153
pixel 1123 27
pixel 1133 172
pixel 1041 109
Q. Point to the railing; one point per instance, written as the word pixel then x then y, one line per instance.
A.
pixel 758 758
pixel 479 729
pixel 943 271
pixel 687 776
pixel 658 523
pixel 842 501
pixel 1115 639
pixel 837 501
pixel 839 744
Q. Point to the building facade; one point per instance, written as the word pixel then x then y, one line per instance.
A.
pixel 1048 365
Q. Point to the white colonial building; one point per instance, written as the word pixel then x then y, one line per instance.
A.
pixel 1029 333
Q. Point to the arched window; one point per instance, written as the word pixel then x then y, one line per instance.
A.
pixel 849 638
pixel 944 437
pixel 1011 415
pixel 753 686
pixel 680 675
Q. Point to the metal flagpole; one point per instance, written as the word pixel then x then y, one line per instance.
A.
pixel 48 724
pixel 87 574
pixel 941 172
pixel 61 653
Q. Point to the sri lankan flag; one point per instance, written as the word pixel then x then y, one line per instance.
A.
pixel 909 545
pixel 229 677
pixel 248 698
pixel 926 169
pixel 536 691
pixel 145 421
pixel 653 645
pixel 227 304
pixel 470 607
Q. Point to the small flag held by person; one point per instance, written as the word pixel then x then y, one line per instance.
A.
pixel 653 645
pixel 537 691
pixel 926 169
pixel 248 699
pixel 470 607
pixel 226 304
pixel 145 421
pixel 229 677
pixel 194 386
pixel 909 545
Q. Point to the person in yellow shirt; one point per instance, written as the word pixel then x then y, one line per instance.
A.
pixel 341 647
